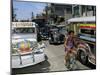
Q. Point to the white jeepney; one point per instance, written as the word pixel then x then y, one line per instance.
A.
pixel 25 49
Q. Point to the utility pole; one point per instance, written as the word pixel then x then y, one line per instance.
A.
pixel 85 10
pixel 80 10
pixel 13 14
pixel 65 14
pixel 72 10
pixel 32 16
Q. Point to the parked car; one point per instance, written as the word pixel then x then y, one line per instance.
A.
pixel 63 31
pixel 55 36
pixel 44 32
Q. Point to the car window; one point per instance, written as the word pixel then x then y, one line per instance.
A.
pixel 24 30
pixel 63 31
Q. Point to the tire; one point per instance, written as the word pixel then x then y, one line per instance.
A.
pixel 42 63
pixel 83 57
pixel 46 57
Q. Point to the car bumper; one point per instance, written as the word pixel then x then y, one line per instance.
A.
pixel 56 41
pixel 44 37
pixel 92 60
pixel 27 60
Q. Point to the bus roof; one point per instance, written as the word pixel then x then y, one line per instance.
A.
pixel 82 19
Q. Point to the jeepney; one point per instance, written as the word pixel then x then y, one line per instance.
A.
pixel 85 29
pixel 25 49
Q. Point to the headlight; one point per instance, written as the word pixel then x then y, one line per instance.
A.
pixel 49 38
pixel 34 45
pixel 14 48
pixel 38 51
pixel 14 45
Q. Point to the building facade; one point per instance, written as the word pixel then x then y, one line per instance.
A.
pixel 57 12
pixel 83 10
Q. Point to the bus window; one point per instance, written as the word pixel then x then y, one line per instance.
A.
pixel 87 31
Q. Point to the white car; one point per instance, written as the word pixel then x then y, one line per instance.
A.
pixel 25 49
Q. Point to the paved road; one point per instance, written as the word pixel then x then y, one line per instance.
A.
pixel 55 62
pixel 55 55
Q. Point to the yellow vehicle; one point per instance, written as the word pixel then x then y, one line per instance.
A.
pixel 85 28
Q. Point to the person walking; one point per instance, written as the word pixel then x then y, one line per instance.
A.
pixel 68 44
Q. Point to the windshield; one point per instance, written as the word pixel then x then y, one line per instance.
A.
pixel 88 32
pixel 24 30
pixel 54 30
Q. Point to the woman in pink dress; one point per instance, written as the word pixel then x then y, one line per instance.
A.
pixel 69 43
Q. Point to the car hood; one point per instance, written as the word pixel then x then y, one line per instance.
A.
pixel 23 37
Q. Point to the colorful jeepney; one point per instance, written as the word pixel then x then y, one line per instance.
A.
pixel 85 29
pixel 26 51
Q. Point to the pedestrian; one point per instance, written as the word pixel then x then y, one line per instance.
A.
pixel 68 44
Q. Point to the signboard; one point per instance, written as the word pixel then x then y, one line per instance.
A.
pixel 23 24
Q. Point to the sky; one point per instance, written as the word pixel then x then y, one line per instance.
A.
pixel 24 9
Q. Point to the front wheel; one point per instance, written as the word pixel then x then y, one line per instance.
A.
pixel 83 57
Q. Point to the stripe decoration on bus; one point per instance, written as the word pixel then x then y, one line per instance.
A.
pixel 88 26
pixel 88 38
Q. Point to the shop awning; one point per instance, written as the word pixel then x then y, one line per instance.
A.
pixel 82 19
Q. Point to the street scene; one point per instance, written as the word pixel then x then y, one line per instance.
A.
pixel 40 35
pixel 55 62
